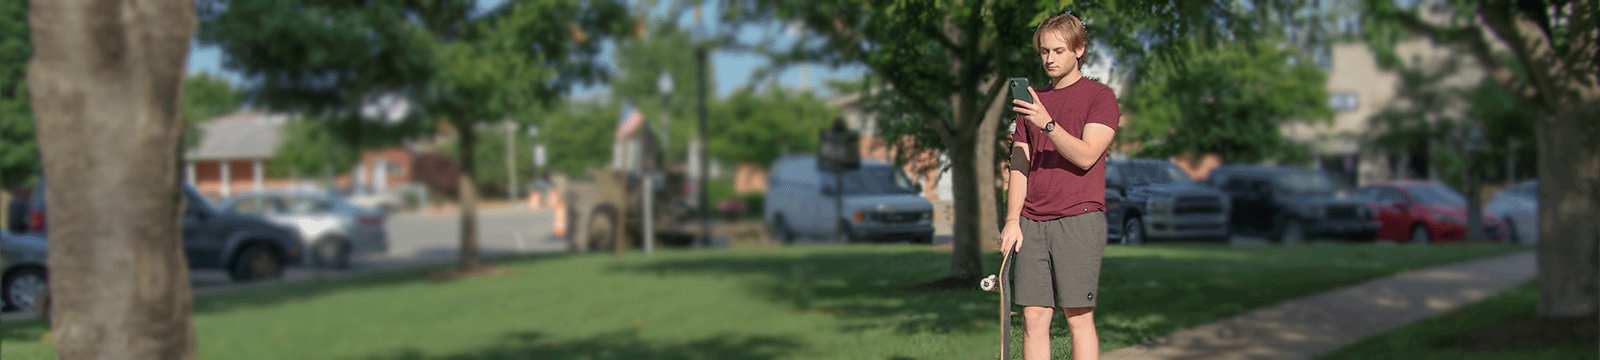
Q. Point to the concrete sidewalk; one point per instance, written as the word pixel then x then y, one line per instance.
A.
pixel 1318 324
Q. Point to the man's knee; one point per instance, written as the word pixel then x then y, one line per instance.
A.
pixel 1038 317
pixel 1077 317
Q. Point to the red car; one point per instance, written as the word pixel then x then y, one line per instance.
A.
pixel 1423 212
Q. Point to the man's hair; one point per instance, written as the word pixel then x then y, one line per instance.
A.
pixel 1070 28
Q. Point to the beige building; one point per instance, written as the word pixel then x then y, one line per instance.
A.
pixel 1360 89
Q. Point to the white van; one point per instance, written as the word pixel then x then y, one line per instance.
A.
pixel 879 201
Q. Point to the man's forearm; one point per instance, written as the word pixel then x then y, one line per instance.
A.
pixel 1016 194
pixel 1074 149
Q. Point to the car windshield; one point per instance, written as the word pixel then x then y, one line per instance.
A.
pixel 1528 190
pixel 877 180
pixel 1305 182
pixel 1437 195
pixel 1154 174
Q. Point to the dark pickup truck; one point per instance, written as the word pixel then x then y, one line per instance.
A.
pixel 1156 200
pixel 1290 204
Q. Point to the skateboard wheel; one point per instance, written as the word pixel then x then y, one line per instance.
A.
pixel 987 284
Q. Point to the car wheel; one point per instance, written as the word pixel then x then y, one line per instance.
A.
pixel 256 262
pixel 332 253
pixel 781 231
pixel 1294 233
pixel 1133 231
pixel 23 288
pixel 1420 235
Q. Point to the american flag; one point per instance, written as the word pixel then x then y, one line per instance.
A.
pixel 629 122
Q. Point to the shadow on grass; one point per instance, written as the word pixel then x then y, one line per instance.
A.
pixel 276 294
pixel 624 344
pixel 1144 293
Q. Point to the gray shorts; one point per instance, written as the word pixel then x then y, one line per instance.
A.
pixel 1059 264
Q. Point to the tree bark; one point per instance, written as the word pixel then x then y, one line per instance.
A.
pixel 964 262
pixel 467 139
pixel 105 80
pixel 1569 191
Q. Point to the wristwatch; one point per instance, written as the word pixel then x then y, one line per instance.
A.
pixel 1050 126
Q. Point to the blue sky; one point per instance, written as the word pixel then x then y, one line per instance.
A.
pixel 731 70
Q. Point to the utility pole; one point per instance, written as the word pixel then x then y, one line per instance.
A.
pixel 705 202
pixel 511 160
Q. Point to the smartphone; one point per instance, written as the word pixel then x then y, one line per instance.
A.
pixel 1019 89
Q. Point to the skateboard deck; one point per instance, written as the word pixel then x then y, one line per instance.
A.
pixel 1001 283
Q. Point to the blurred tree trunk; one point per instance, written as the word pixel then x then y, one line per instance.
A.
pixel 1556 74
pixel 105 80
pixel 468 195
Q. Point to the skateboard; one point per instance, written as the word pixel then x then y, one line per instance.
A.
pixel 1001 283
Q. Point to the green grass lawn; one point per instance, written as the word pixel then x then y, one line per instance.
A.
pixel 1482 331
pixel 809 302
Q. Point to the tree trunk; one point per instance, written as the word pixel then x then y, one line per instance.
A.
pixel 964 262
pixel 1569 191
pixel 105 79
pixel 1474 203
pixel 468 194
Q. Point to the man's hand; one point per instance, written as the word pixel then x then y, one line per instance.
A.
pixel 1034 111
pixel 1011 237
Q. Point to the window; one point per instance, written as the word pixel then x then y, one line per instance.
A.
pixel 1437 195
pixel 1308 182
pixel 1528 190
pixel 1365 194
pixel 1113 176
pixel 1390 196
pixel 252 206
pixel 301 205
pixel 873 180
pixel 1343 101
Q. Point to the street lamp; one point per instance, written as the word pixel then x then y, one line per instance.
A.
pixel 664 84
pixel 700 38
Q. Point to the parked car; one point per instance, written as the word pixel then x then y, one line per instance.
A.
pixel 247 247
pixel 332 227
pixel 17 211
pixel 1423 212
pixel 1291 204
pixel 879 202
pixel 1518 207
pixel 25 277
pixel 1158 201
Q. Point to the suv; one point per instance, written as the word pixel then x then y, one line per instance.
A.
pixel 248 248
pixel 1290 204
pixel 879 202
pixel 1159 201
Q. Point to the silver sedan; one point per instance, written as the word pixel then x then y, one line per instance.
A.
pixel 334 229
pixel 1519 206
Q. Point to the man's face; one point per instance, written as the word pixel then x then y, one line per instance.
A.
pixel 1059 60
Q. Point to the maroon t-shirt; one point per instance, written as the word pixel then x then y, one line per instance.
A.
pixel 1056 187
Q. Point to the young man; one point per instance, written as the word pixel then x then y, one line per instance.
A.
pixel 1055 216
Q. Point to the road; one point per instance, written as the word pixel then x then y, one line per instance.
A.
pixel 418 239
pixel 422 239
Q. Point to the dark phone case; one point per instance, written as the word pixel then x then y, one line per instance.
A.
pixel 1019 89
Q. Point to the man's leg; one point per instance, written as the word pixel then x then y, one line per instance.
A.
pixel 1036 334
pixel 1085 340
